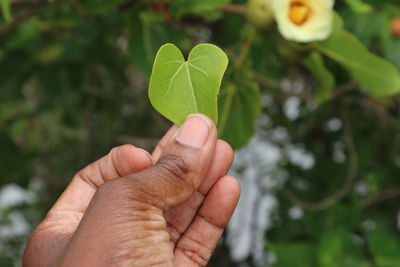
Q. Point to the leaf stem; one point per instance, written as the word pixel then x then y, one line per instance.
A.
pixel 226 108
pixel 234 9
pixel 24 15
pixel 246 46
pixel 79 8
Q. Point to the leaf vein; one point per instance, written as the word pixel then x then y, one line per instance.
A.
pixel 173 78
pixel 199 69
pixel 199 57
pixel 191 87
pixel 172 61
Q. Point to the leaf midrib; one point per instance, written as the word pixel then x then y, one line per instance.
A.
pixel 191 86
pixel 173 77
pixel 186 64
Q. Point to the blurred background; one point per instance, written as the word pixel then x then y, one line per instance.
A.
pixel 317 137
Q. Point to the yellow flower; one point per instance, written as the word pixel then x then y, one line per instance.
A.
pixel 304 20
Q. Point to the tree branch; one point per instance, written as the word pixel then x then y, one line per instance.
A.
pixel 247 43
pixel 127 5
pixel 234 9
pixel 351 175
pixel 26 14
pixel 78 6
pixel 382 196
pixel 344 89
pixel 22 2
pixel 269 83
pixel 266 82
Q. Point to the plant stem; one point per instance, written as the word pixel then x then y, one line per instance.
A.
pixel 24 15
pixel 246 46
pixel 226 108
pixel 234 9
pixel 382 196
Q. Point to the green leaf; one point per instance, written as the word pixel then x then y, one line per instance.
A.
pixel 301 254
pixel 392 51
pixel 147 32
pixel 94 7
pixel 337 248
pixel 358 6
pixel 378 76
pixel 324 79
pixel 384 245
pixel 180 7
pixel 179 88
pixel 6 10
pixel 372 29
pixel 240 105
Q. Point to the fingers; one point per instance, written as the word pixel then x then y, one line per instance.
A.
pixel 120 161
pixel 221 164
pixel 179 217
pixel 195 247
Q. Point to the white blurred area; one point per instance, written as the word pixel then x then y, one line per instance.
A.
pixel 14 222
pixel 257 168
pixel 12 194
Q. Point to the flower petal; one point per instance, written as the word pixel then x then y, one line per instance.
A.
pixel 317 27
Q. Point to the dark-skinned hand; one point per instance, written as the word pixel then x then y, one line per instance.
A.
pixel 131 208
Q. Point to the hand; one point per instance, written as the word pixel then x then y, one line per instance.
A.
pixel 133 209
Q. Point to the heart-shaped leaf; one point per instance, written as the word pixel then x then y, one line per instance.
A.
pixel 180 87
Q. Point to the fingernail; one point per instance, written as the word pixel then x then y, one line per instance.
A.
pixel 147 153
pixel 195 131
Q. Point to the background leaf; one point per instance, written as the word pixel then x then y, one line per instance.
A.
pixel 180 7
pixel 147 33
pixel 301 254
pixel 385 247
pixel 378 76
pixel 359 6
pixel 239 105
pixel 324 79
pixel 6 10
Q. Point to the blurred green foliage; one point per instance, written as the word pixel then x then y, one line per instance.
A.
pixel 73 84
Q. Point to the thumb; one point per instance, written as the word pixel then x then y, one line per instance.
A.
pixel 183 164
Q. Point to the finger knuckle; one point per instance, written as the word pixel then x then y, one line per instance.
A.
pixel 114 189
pixel 174 167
